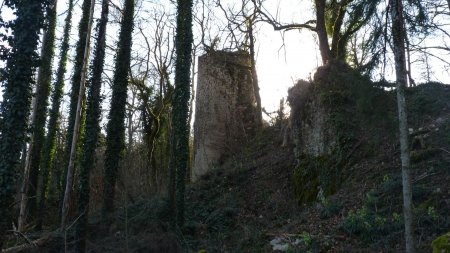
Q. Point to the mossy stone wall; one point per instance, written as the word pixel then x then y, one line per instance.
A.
pixel 225 110
pixel 332 117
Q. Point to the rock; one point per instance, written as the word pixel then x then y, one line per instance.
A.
pixel 279 244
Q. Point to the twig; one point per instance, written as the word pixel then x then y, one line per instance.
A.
pixel 423 177
pixel 22 235
pixel 446 151
pixel 284 235
pixel 355 147
pixel 28 245
pixel 67 228
pixel 75 221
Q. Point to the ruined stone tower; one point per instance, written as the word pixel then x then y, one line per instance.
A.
pixel 225 110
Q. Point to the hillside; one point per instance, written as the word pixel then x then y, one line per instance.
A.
pixel 251 204
pixel 254 202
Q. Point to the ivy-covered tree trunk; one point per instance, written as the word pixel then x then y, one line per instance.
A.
pixel 20 68
pixel 77 124
pixel 115 139
pixel 93 114
pixel 29 189
pixel 76 80
pixel 398 35
pixel 180 104
pixel 48 151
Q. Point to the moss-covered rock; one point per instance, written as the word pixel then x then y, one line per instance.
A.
pixel 331 117
pixel 441 244
pixel 317 175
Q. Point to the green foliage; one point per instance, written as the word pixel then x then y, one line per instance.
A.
pixel 380 218
pixel 21 63
pixel 180 104
pixel 429 216
pixel 116 126
pixel 329 208
pixel 370 226
pixel 307 238
pixel 344 19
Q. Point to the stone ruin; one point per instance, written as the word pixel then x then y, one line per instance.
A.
pixel 225 110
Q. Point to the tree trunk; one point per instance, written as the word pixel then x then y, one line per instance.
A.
pixel 76 81
pixel 48 152
pixel 93 115
pixel 130 122
pixel 254 73
pixel 337 49
pixel 172 174
pixel 408 57
pixel 29 187
pixel 321 31
pixel 26 176
pixel 115 139
pixel 398 34
pixel 20 66
pixel 180 105
pixel 73 149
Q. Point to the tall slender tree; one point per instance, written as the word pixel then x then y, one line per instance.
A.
pixel 115 139
pixel 93 113
pixel 77 123
pixel 20 67
pixel 76 80
pixel 180 104
pixel 398 36
pixel 48 151
pixel 29 189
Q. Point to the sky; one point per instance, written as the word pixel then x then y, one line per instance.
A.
pixel 282 58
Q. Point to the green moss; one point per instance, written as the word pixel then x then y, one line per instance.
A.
pixel 441 244
pixel 314 174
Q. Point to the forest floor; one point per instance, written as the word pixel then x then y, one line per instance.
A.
pixel 249 204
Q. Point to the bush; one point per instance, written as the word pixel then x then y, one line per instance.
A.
pixel 330 208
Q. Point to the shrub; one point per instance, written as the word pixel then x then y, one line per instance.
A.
pixel 330 208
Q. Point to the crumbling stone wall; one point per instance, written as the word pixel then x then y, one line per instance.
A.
pixel 313 134
pixel 330 115
pixel 225 109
